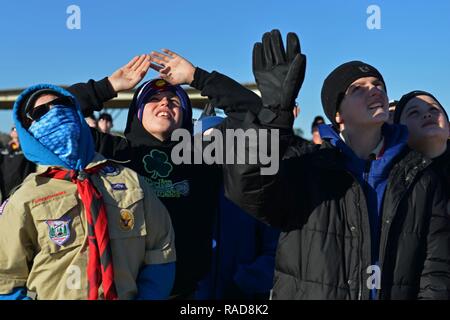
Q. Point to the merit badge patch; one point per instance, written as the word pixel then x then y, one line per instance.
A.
pixel 110 171
pixel 126 222
pixel 3 206
pixel 59 231
pixel 118 186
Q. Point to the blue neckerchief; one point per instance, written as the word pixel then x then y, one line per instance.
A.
pixel 40 154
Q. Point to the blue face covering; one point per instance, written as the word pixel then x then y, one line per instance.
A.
pixel 59 131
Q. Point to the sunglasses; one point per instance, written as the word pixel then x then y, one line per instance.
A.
pixel 39 111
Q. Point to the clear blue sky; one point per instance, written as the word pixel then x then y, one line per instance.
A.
pixel 412 48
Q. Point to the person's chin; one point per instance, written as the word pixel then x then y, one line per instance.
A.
pixel 379 119
pixel 434 131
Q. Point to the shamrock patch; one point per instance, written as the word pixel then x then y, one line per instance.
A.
pixel 156 163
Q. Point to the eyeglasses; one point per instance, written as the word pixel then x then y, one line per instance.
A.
pixel 39 111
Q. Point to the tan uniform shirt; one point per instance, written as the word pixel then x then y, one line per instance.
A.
pixel 43 233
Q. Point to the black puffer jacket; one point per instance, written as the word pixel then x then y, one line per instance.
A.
pixel 442 167
pixel 325 249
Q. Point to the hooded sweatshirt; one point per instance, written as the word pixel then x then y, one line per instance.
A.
pixel 189 191
pixel 35 151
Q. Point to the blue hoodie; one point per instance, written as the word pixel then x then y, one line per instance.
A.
pixel 372 175
pixel 34 150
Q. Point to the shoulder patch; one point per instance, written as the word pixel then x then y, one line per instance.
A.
pixel 119 186
pixel 59 230
pixel 110 170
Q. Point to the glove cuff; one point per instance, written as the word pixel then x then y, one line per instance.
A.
pixel 276 118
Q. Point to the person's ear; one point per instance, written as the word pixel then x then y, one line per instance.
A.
pixel 296 111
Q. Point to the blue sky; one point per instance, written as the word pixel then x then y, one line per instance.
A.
pixel 412 48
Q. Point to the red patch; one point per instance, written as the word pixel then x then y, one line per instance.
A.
pixel 47 198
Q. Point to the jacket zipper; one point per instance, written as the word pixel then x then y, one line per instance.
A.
pixel 366 180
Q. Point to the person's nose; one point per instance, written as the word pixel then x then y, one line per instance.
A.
pixel 427 115
pixel 375 91
pixel 164 102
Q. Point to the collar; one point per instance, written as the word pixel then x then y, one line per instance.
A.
pixel 378 151
pixel 98 159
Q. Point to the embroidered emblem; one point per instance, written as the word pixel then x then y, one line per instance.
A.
pixel 59 231
pixel 156 163
pixel 158 166
pixel 126 222
pixel 167 189
pixel 119 186
pixel 364 69
pixel 48 198
pixel 160 83
pixel 110 171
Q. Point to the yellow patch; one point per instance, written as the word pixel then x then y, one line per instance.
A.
pixel 126 222
pixel 160 83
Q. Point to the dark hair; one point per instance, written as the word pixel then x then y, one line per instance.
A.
pixel 409 96
pixel 105 116
pixel 317 120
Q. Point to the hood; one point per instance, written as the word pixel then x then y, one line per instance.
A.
pixel 135 131
pixel 33 149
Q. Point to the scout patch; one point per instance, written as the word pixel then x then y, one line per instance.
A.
pixel 3 206
pixel 59 231
pixel 110 171
pixel 118 186
pixel 126 222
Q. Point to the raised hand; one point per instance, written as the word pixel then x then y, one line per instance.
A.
pixel 172 67
pixel 279 74
pixel 128 76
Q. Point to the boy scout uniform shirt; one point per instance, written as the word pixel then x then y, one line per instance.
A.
pixel 43 234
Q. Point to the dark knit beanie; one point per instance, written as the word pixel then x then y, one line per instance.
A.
pixel 407 97
pixel 337 82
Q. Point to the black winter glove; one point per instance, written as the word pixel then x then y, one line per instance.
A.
pixel 279 77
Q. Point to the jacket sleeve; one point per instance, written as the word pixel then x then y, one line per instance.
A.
pixel 92 94
pixel 111 146
pixel 155 281
pixel 264 189
pixel 157 276
pixel 160 239
pixel 18 240
pixel 226 94
pixel 252 186
pixel 257 277
pixel 16 294
pixel 435 278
